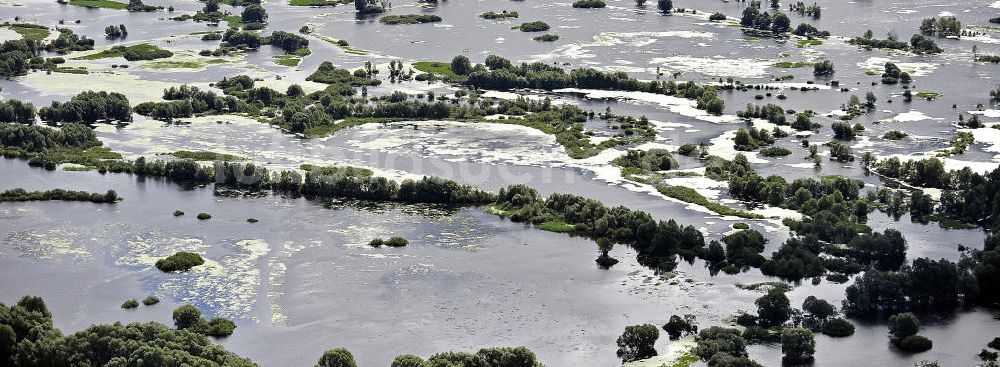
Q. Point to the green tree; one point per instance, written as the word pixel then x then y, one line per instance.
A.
pixel 211 6
pixel 903 325
pixel 34 304
pixel 460 65
pixel 186 316
pixel 338 357
pixel 773 308
pixel 798 345
pixel 780 23
pixel 254 14
pixel 637 342
pixel 665 6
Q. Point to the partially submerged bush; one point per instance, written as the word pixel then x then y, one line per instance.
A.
pixel 130 304
pixel 181 261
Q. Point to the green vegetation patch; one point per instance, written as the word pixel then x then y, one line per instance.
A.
pixel 234 21
pixel 30 31
pixel 536 26
pixel 206 156
pixel 687 359
pixel 434 67
pixel 107 4
pixel 689 195
pixel 180 261
pixel 492 15
pixel 319 2
pixel 337 170
pixel 947 222
pixel 186 64
pixel 130 304
pixel 138 52
pixel 557 226
pixel 71 70
pixel 808 43
pixel 928 95
pixel 792 64
pixel 287 60
pixel 409 19
pixel 548 37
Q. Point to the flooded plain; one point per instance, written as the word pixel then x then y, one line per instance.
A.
pixel 303 280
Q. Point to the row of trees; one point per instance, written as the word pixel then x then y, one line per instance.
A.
pixel 498 73
pixel 20 194
pixel 657 243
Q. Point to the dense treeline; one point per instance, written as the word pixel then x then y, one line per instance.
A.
pixel 20 194
pixel 187 101
pixel 918 43
pixel 67 42
pixel 499 74
pixel 28 338
pixel 15 57
pixel 657 242
pixel 967 196
pixel 37 139
pixel 925 285
pixel 89 107
pixel 352 184
pixel 13 110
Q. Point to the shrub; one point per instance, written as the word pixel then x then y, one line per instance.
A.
pixel 688 150
pixel 894 135
pixel 775 152
pixel 252 220
pixel 204 216
pixel 178 213
pixel 838 328
pixel 217 327
pixel 377 242
pixel 396 241
pixel 537 26
pixel 180 261
pixel 717 17
pixel 548 37
pixel 130 304
pixel 409 19
pixel 915 344
pixel 589 4
pixel 151 300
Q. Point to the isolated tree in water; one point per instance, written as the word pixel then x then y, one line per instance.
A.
pixel 665 6
pixel 637 342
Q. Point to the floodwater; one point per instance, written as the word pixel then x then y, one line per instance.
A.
pixel 302 280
